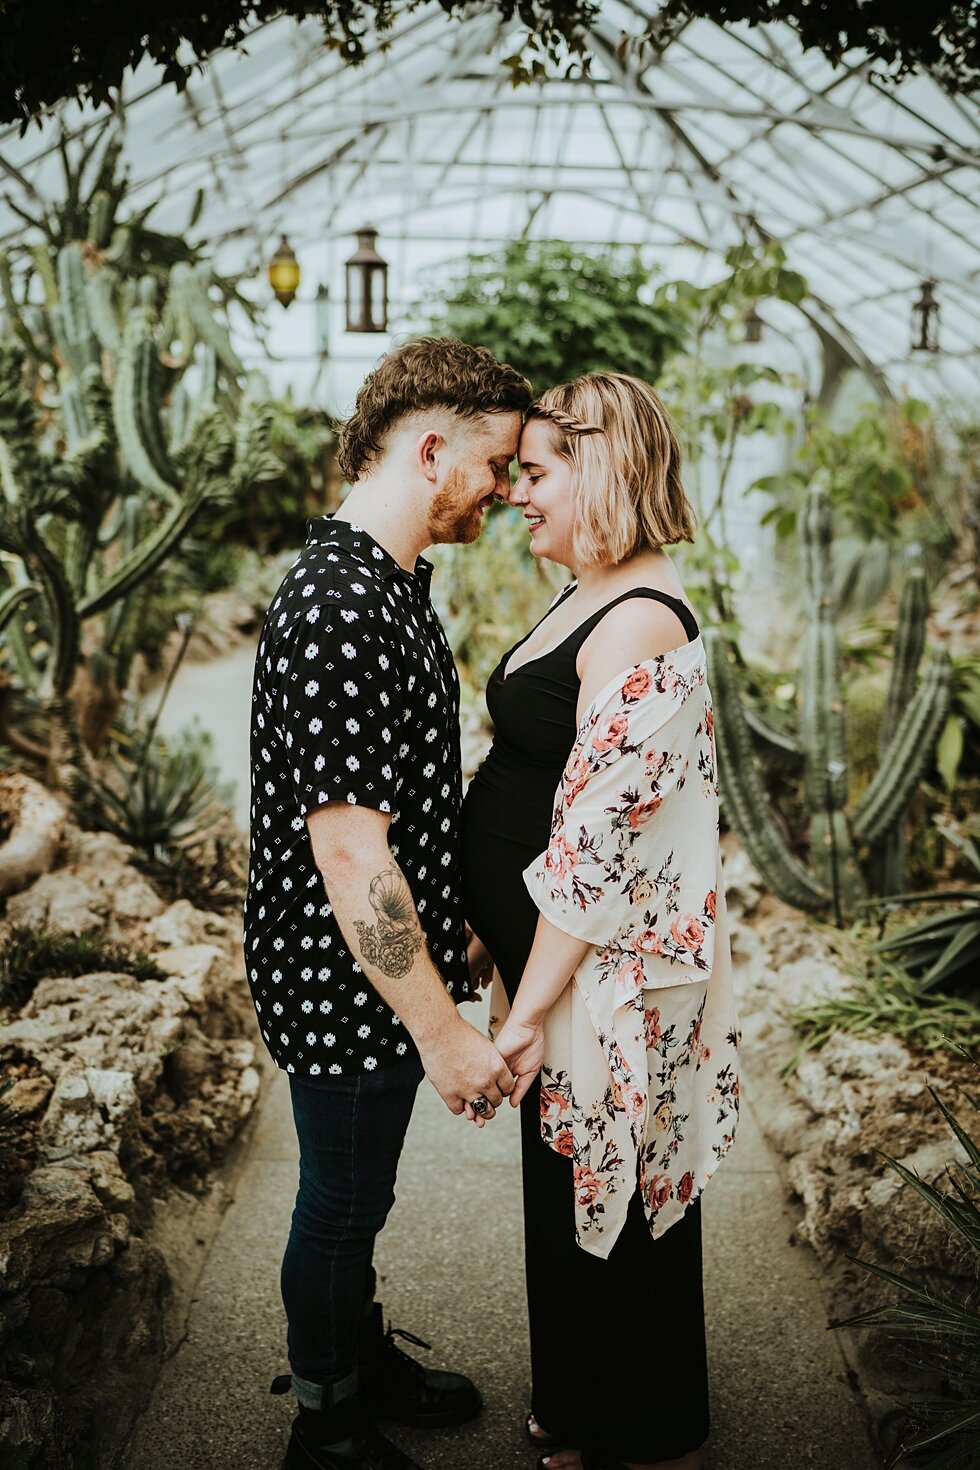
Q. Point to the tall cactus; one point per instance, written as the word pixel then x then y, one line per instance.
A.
pixel 94 500
pixel 833 879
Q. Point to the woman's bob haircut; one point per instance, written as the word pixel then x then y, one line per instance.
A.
pixel 626 466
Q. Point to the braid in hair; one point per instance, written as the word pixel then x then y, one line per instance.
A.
pixel 563 421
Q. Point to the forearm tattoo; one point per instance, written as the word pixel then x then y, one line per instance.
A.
pixel 393 942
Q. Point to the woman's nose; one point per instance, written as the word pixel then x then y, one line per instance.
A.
pixel 518 492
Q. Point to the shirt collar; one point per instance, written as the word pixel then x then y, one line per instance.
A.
pixel 328 531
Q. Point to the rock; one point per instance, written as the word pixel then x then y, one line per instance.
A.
pixel 109 1181
pixel 180 924
pixel 91 1108
pixel 29 1095
pixel 57 1226
pixel 35 823
pixel 743 886
pixel 63 901
pixel 198 970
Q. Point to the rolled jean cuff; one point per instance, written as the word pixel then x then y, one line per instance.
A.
pixel 324 1395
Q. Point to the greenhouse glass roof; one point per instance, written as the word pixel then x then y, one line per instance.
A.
pixel 729 134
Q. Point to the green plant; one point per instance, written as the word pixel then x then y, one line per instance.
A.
pixel 556 311
pixel 158 795
pixel 944 1328
pixel 882 471
pixel 124 418
pixel 942 950
pixel 911 730
pixel 29 955
pixel 886 1002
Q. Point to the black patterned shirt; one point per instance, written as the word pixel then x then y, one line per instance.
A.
pixel 355 698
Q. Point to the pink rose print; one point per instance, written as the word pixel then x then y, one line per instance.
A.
pixel 552 1105
pixel 575 778
pixel 652 1022
pixel 564 1143
pixel 560 858
pixel 658 1191
pixel 709 904
pixel 613 733
pixel 588 1185
pixel 648 941
pixel 686 1188
pixel 637 684
pixel 642 812
pixel 633 1102
pixel 629 978
pixel 688 931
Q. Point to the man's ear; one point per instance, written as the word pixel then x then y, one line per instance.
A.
pixel 427 450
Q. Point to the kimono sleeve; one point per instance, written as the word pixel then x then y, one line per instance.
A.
pixel 336 697
pixel 634 830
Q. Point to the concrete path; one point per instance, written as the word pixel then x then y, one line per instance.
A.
pixel 451 1272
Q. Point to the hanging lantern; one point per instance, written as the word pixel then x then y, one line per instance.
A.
pixel 367 286
pixel 321 308
pixel 753 324
pixel 925 320
pixel 284 273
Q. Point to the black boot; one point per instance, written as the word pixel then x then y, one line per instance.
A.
pixel 339 1437
pixel 395 1386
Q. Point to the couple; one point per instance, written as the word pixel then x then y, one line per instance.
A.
pixel 582 873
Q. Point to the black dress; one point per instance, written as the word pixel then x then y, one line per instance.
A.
pixel 617 1346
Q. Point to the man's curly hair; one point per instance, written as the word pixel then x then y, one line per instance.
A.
pixel 428 372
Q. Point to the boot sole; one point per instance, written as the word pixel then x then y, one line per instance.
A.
pixel 438 1419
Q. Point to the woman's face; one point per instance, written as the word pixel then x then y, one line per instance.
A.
pixel 543 493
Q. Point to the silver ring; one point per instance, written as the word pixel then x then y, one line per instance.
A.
pixel 480 1105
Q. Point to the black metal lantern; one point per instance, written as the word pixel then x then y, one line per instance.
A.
pixel 367 286
pixel 753 324
pixel 284 273
pixel 925 320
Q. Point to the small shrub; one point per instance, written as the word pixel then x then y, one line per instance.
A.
pixel 30 955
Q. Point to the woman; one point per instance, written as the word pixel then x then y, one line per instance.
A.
pixel 593 878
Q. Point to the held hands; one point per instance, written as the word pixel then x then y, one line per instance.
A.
pixel 521 1044
pixel 463 1065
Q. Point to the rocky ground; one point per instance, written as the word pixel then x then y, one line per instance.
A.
pixel 126 1093
pixel 845 1105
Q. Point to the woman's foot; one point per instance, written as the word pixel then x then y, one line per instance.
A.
pixel 572 1460
pixel 536 1433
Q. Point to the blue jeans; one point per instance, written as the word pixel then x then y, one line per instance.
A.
pixel 350 1131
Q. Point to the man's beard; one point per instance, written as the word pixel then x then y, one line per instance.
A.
pixel 453 516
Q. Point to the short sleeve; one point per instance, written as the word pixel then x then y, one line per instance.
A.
pixel 334 684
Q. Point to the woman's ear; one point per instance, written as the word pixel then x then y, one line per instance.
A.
pixel 427 449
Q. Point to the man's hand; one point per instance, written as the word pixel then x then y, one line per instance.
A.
pixel 463 1065
pixel 521 1044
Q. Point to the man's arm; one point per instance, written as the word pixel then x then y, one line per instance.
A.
pixel 374 907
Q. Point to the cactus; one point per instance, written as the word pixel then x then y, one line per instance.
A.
pixel 110 542
pixel 878 820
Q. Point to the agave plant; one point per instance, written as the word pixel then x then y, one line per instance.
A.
pixel 942 1434
pixel 942 950
pixel 157 795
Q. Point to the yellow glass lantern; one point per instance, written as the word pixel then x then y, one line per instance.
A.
pixel 284 273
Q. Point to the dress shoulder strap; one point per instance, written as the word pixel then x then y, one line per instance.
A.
pixel 679 608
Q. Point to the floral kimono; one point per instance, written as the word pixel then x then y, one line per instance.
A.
pixel 639 1082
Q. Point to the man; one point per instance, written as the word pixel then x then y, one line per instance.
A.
pixel 354 937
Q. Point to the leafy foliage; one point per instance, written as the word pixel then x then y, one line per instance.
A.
pixel 887 1002
pixel 556 311
pixel 942 1328
pixel 50 54
pixel 156 795
pixel 29 955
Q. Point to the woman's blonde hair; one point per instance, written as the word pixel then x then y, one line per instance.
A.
pixel 626 466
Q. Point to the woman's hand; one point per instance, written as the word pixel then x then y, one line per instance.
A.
pixel 521 1044
pixel 479 960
